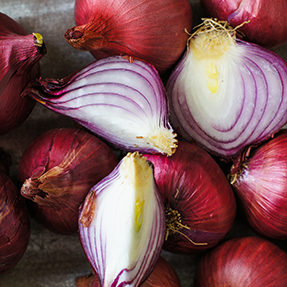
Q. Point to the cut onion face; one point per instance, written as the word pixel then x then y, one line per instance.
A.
pixel 226 93
pixel 124 102
pixel 122 224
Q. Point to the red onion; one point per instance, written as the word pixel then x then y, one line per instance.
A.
pixel 58 169
pixel 266 18
pixel 243 262
pixel 121 101
pixel 19 57
pixel 150 30
pixel 163 275
pixel 121 224
pixel 260 181
pixel 14 224
pixel 237 96
pixel 199 202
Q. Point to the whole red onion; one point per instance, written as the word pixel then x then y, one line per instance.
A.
pixel 243 262
pixel 58 169
pixel 150 30
pixel 163 275
pixel 260 180
pixel 267 18
pixel 19 57
pixel 14 224
pixel 199 202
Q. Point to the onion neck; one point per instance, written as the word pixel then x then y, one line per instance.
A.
pixel 212 40
pixel 86 37
pixel 30 189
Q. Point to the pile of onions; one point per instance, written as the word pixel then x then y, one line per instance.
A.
pixel 236 97
pixel 14 224
pixel 121 223
pixel 124 102
pixel 265 20
pixel 150 30
pixel 199 202
pixel 19 57
pixel 58 169
pixel 163 275
pixel 243 262
pixel 260 180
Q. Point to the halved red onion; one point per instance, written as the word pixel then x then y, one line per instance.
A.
pixel 122 225
pixel 122 101
pixel 226 93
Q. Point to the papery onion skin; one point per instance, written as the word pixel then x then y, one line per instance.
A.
pixel 14 224
pixel 267 23
pixel 57 170
pixel 121 224
pixel 243 262
pixel 260 181
pixel 192 184
pixel 236 98
pixel 163 275
pixel 19 65
pixel 123 102
pixel 153 31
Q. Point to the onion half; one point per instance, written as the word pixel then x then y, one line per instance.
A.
pixel 121 224
pixel 124 102
pixel 226 93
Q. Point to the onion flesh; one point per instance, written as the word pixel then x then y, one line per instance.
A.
pixel 237 96
pixel 123 102
pixel 121 224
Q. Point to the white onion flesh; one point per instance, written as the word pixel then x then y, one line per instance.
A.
pixel 124 102
pixel 126 232
pixel 230 96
